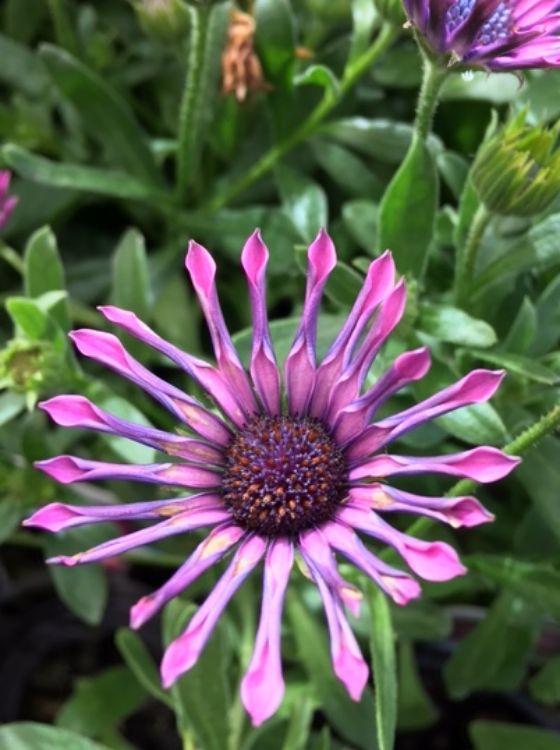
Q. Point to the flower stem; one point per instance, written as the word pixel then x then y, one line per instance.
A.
pixel 527 439
pixel 433 79
pixel 268 161
pixel 468 253
pixel 189 130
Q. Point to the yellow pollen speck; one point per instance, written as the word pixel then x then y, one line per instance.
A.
pixel 169 510
pixel 213 545
pixel 380 499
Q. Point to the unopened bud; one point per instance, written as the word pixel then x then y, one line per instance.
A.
pixel 164 19
pixel 517 172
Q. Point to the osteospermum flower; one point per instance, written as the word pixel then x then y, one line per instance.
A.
pixel 494 34
pixel 282 465
pixel 7 202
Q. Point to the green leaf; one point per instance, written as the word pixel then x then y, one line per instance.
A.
pixel 485 659
pixel 536 583
pixel 131 276
pixel 454 326
pixel 11 510
pixel 44 272
pixel 454 170
pixel 343 285
pixel 523 329
pixel 385 140
pixel 84 588
pixel 304 202
pixel 494 735
pixel 201 703
pixel 319 75
pixel 75 176
pixel 346 169
pixel 515 363
pixel 105 116
pixel 11 404
pixel 543 463
pixel 275 38
pixel 360 219
pixel 21 69
pixel 416 709
pixel 545 685
pixel 364 16
pixel 408 210
pixel 353 721
pixel 384 668
pixel 27 316
pixel 141 664
pixel 100 702
pixel 28 735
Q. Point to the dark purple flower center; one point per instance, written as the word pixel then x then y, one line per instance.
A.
pixel 498 26
pixel 283 475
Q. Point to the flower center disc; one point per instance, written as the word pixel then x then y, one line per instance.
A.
pixel 283 475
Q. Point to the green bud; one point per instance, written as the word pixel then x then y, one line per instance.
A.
pixel 517 171
pixel 166 20
pixel 30 367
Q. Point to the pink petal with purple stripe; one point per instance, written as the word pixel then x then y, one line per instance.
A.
pixel 456 511
pixel 217 544
pixel 262 687
pixel 352 419
pixel 348 663
pixel 379 282
pixel 59 516
pixel 299 367
pixel 187 520
pixel 78 411
pixel 396 583
pixel 318 554
pixel 209 379
pixel 202 270
pixel 482 464
pixel 433 561
pixel 184 651
pixel 264 369
pixel 69 469
pixel 107 349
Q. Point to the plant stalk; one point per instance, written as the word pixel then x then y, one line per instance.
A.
pixel 468 254
pixel 330 100
pixel 433 79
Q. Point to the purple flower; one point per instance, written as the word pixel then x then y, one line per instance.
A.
pixel 282 465
pixel 495 34
pixel 7 203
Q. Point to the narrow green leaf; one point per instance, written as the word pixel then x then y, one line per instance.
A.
pixel 44 272
pixel 344 284
pixel 515 363
pixel 494 735
pixel 416 709
pixel 129 450
pixel 102 701
pixel 28 735
pixel 141 664
pixel 355 722
pixel 408 210
pixel 75 176
pixel 275 38
pixel 454 326
pixel 319 75
pixel 27 316
pixel 104 114
pixel 361 221
pixel 201 703
pixel 347 169
pixel 84 588
pixel 304 202
pixel 384 668
pixel 21 69
pixel 131 276
pixel 523 329
pixel 545 685
pixel 364 15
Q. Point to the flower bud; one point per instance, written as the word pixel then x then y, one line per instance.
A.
pixel 31 368
pixel 517 172
pixel 166 20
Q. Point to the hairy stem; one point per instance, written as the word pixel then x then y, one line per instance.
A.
pixel 467 255
pixel 269 160
pixel 189 131
pixel 432 81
